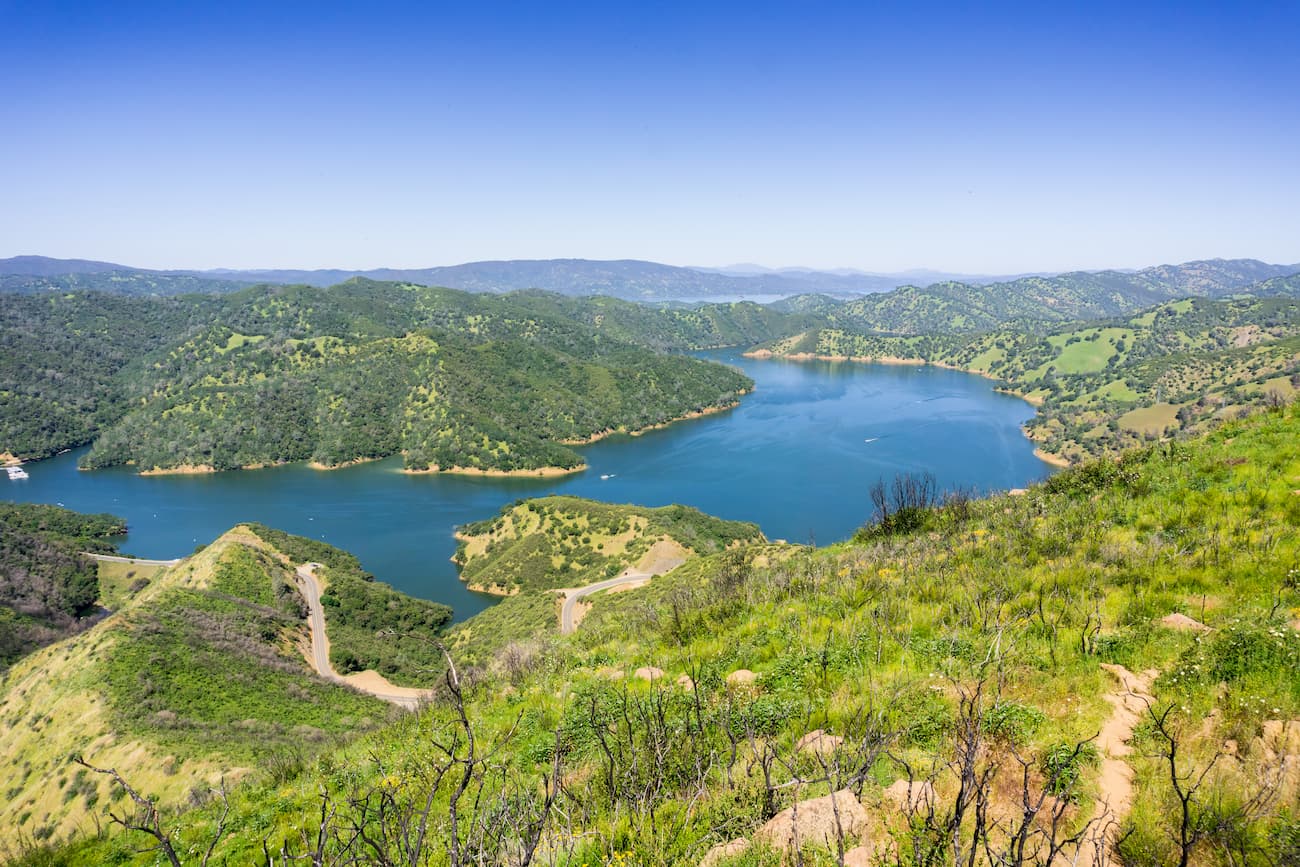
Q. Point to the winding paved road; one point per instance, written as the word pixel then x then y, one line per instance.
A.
pixel 320 645
pixel 571 597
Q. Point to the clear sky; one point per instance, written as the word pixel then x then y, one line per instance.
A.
pixel 1046 136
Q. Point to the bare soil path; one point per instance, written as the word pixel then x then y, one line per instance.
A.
pixel 371 682
pixel 1129 702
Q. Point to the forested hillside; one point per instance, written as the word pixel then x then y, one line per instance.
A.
pixel 365 370
pixel 48 588
pixel 1107 663
pixel 62 361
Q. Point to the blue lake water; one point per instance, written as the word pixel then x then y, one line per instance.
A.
pixel 796 457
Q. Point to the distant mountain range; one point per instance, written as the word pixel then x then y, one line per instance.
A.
pixel 650 281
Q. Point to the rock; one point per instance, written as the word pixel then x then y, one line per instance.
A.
pixel 648 672
pixel 741 677
pixel 1278 751
pixel 685 682
pixel 609 673
pixel 1280 738
pixel 910 797
pixel 859 856
pixel 818 743
pixel 731 849
pixel 814 821
pixel 1018 492
pixel 1183 623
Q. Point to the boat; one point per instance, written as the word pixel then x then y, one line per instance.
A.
pixel 607 476
pixel 16 473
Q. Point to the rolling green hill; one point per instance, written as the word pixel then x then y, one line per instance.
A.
pixel 975 656
pixel 1202 359
pixel 535 547
pixel 197 675
pixel 451 381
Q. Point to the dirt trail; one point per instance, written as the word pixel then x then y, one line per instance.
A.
pixel 368 681
pixel 1129 703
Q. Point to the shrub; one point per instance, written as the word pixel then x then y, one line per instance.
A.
pixel 1012 721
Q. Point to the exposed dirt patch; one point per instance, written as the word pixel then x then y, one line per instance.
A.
pixel 1115 783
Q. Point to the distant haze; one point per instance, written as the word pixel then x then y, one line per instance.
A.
pixel 974 139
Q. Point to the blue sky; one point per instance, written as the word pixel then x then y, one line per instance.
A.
pixel 882 136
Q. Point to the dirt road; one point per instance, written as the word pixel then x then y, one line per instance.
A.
pixel 366 681
pixel 136 561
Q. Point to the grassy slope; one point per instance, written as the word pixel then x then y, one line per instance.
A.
pixel 359 611
pixel 877 640
pixel 195 677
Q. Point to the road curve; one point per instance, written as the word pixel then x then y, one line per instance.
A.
pixel 320 644
pixel 137 561
pixel 571 597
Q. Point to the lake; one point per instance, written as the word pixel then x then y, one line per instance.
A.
pixel 796 457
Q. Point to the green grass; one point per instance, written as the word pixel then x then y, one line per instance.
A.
pixel 118 582
pixel 1090 351
pixel 1154 419
pixel 370 625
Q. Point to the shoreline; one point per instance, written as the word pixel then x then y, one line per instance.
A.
pixel 693 414
pixel 538 472
pixel 1054 460
pixel 204 469
pixel 325 468
pixel 182 470
pixel 1045 457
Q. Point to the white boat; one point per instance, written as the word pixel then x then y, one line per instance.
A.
pixel 607 476
pixel 16 473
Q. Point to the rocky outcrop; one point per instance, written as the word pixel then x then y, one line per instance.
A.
pixel 818 822
pixel 910 797
pixel 1183 623
pixel 818 743
pixel 730 849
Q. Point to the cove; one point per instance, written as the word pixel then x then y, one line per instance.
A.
pixel 796 457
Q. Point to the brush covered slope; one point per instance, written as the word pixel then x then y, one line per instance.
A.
pixel 1105 385
pixel 48 586
pixel 366 370
pixel 1109 663
pixel 535 547
pixel 198 675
